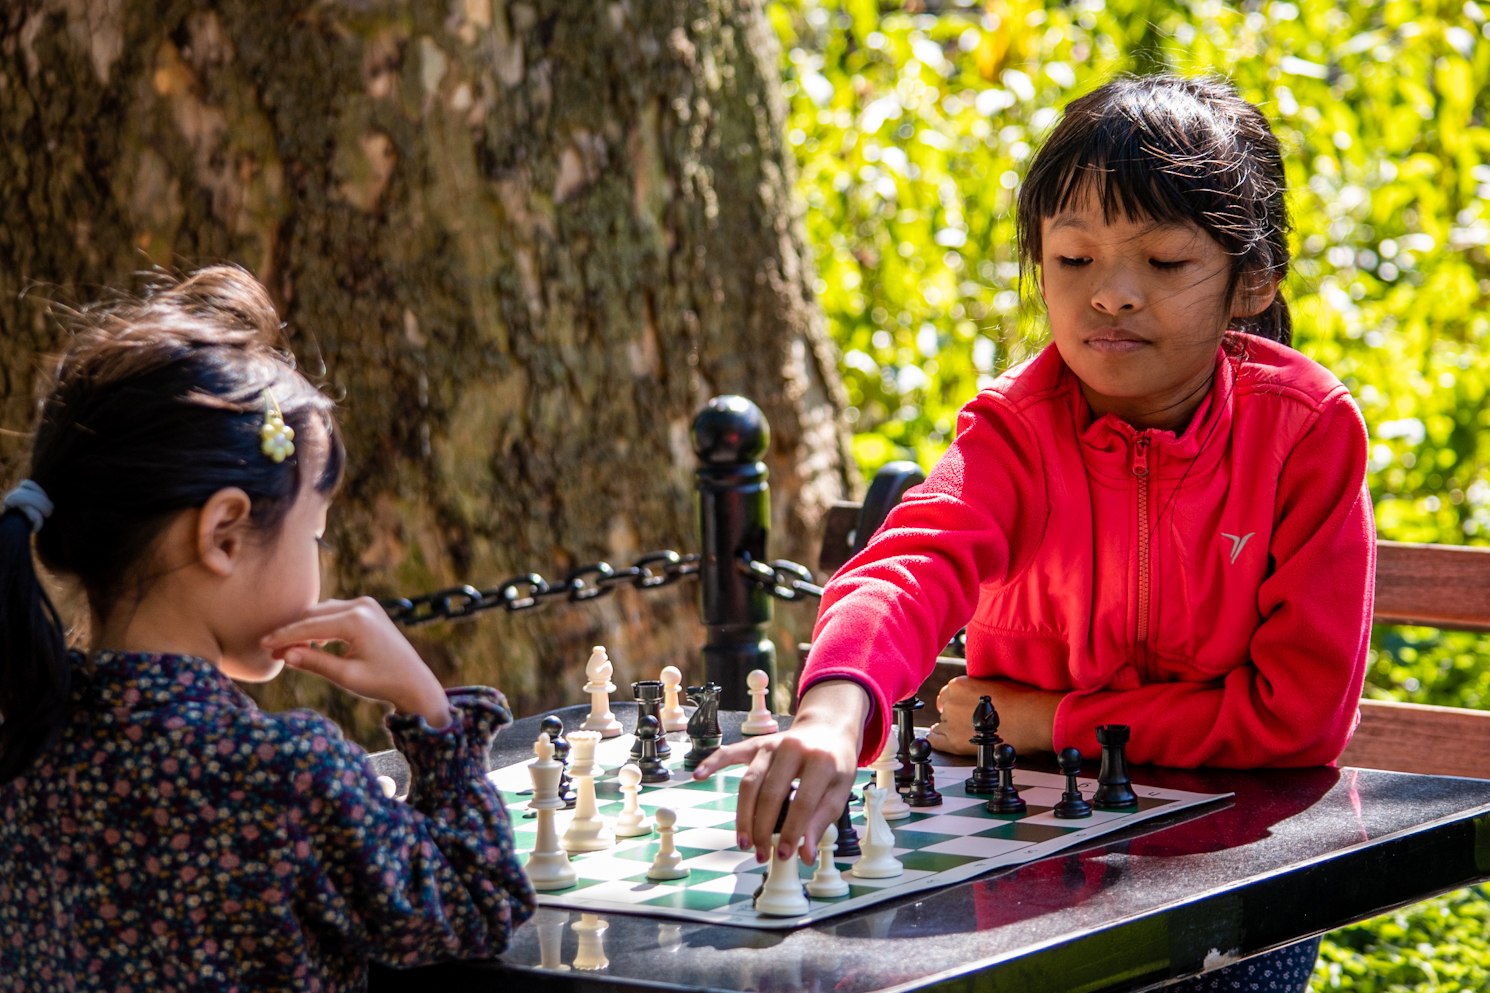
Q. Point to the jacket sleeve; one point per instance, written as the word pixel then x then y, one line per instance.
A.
pixel 891 609
pixel 420 881
pixel 1294 703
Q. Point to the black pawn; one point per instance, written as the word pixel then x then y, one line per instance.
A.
pixel 905 729
pixel 648 730
pixel 984 779
pixel 1114 790
pixel 1072 805
pixel 923 786
pixel 847 846
pixel 1005 799
pixel 648 696
pixel 566 792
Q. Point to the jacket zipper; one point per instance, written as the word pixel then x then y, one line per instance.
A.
pixel 1141 471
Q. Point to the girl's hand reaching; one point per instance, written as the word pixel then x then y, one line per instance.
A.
pixel 821 749
pixel 1026 715
pixel 380 664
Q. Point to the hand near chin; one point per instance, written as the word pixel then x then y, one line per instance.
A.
pixel 379 663
pixel 1026 714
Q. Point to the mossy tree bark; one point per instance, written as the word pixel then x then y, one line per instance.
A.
pixel 524 241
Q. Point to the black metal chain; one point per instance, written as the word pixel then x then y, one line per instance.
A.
pixel 782 579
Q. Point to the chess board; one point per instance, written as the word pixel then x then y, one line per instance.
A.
pixel 937 845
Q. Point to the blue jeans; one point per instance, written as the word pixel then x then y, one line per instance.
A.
pixel 1284 970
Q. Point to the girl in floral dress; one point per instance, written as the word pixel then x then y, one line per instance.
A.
pixel 157 831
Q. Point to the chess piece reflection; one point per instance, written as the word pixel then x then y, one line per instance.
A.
pixel 591 929
pixel 550 924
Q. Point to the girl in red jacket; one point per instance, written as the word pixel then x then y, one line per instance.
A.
pixel 1159 521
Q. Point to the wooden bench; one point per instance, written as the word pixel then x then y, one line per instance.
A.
pixel 1441 586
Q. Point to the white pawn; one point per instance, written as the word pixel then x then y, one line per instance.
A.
pixel 388 786
pixel 673 717
pixel 548 865
pixel 782 895
pixel 631 822
pixel 588 831
pixel 759 720
pixel 878 842
pixel 598 671
pixel 667 864
pixel 590 955
pixel 826 880
pixel 884 767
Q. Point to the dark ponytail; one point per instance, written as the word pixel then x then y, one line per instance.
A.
pixel 36 676
pixel 158 404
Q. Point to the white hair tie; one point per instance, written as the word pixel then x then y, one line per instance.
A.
pixel 31 500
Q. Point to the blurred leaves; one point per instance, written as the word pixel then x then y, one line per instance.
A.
pixel 913 129
pixel 913 126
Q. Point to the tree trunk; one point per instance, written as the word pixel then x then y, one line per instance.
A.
pixel 525 242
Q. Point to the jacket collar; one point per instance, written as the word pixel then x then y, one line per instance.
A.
pixel 148 680
pixel 1108 441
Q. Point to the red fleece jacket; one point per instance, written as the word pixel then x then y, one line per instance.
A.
pixel 1212 590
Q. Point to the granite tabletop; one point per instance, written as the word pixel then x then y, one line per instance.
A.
pixel 1293 854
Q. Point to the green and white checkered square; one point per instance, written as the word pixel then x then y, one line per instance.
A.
pixel 938 846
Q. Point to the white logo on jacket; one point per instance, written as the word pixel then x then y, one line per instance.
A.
pixel 1237 543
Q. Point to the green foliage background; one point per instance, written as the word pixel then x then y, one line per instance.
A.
pixel 913 126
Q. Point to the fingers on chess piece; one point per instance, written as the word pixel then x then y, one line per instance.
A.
pixel 1114 790
pixel 1005 799
pixel 648 695
pixel 905 730
pixel 648 733
pixel 673 716
pixel 598 671
pixel 704 732
pixel 827 882
pixel 984 779
pixel 667 863
pixel 631 822
pixel 1072 805
pixel 922 792
pixel 848 839
pixel 781 894
pixel 759 720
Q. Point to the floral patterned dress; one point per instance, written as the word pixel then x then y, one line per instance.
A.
pixel 175 838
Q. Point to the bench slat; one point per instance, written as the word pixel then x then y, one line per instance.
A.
pixel 1413 737
pixel 1441 586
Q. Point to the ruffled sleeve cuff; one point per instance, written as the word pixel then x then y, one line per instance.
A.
pixel 444 760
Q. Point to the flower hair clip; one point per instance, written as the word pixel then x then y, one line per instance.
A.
pixel 276 435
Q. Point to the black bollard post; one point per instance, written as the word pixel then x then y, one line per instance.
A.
pixel 733 511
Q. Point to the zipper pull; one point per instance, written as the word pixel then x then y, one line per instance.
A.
pixel 1141 456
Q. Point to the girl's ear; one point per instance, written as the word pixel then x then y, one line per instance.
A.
pixel 222 529
pixel 1254 294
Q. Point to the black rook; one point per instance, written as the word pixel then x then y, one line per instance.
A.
pixel 734 512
